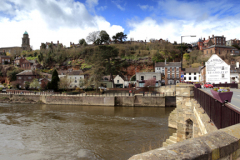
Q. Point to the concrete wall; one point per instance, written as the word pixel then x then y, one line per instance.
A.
pixel 223 144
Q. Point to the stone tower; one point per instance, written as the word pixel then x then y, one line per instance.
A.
pixel 25 41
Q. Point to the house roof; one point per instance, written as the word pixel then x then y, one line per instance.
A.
pixel 221 46
pixel 206 41
pixel 4 56
pixel 26 61
pixel 168 64
pixel 62 72
pixel 192 70
pixel 27 73
pixel 76 72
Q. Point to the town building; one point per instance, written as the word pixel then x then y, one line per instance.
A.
pixel 142 77
pixel 54 45
pixel 232 42
pixel 217 71
pixel 170 71
pixel 220 49
pixel 75 77
pixel 214 40
pixel 26 76
pixel 18 61
pixel 122 81
pixel 234 72
pixel 192 74
pixel 203 74
pixel 18 50
pixel 5 60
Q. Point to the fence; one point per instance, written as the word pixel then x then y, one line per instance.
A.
pixel 222 115
pixel 93 94
pixel 231 85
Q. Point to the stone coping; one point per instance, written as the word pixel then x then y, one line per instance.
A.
pixel 221 144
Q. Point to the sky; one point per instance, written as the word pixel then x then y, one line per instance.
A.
pixel 71 20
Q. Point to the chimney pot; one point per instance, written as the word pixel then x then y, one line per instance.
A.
pixel 208 37
pixel 57 42
pixel 213 36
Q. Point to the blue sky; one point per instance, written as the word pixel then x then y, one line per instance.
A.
pixel 70 20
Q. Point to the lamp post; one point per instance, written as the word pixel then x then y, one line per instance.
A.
pixel 181 47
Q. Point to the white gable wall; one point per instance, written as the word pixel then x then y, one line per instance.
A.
pixel 217 71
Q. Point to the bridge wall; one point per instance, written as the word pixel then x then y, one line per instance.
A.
pixel 223 144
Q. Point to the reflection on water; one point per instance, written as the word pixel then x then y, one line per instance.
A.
pixel 64 132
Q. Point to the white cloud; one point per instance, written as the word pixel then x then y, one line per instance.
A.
pixel 118 5
pixel 174 29
pixel 50 20
pixel 102 8
pixel 146 7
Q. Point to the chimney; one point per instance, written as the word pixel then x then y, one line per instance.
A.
pixel 204 39
pixel 237 64
pixel 70 44
pixel 222 35
pixel 213 36
pixel 57 42
pixel 208 37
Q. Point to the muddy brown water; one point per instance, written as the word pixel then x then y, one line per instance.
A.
pixel 65 132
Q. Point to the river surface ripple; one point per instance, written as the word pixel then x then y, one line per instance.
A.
pixel 65 132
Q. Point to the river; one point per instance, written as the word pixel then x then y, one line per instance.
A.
pixel 65 132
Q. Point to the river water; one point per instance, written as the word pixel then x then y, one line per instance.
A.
pixel 65 132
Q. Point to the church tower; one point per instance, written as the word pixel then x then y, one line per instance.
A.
pixel 25 41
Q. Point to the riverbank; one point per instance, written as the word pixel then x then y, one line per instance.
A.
pixel 136 100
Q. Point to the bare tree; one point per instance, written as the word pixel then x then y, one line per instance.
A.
pixel 64 83
pixel 93 36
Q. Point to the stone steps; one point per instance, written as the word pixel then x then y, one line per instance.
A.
pixel 172 140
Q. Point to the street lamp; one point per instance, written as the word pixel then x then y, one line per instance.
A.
pixel 181 47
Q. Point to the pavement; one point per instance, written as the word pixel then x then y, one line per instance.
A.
pixel 235 98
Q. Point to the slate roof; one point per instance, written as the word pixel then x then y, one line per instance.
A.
pixel 76 72
pixel 4 56
pixel 191 70
pixel 221 46
pixel 27 73
pixel 168 64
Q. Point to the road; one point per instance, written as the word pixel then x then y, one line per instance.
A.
pixel 235 98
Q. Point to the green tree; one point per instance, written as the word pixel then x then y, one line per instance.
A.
pixel 35 84
pixel 186 56
pixel 82 42
pixel 104 37
pixel 55 80
pixel 120 36
pixel 26 85
pixel 105 61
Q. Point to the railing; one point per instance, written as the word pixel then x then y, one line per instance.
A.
pixel 231 85
pixel 222 115
pixel 93 94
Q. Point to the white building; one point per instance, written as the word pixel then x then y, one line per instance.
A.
pixel 122 81
pixel 234 73
pixel 141 78
pixel 217 71
pixel 192 74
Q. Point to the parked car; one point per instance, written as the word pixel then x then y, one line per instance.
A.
pixel 208 85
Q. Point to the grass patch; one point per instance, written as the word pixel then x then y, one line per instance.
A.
pixel 31 58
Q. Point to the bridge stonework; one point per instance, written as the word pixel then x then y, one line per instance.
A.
pixel 196 136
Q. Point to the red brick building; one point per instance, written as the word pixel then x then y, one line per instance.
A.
pixel 171 71
pixel 5 60
pixel 26 76
pixel 18 61
pixel 219 49
pixel 214 40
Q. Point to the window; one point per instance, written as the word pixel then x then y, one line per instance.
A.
pixel 222 67
pixel 168 69
pixel 169 75
pixel 195 78
pixel 184 78
pixel 75 81
pixel 207 52
pixel 184 73
pixel 19 77
pixel 222 75
pixel 75 77
pixel 154 77
pixel 173 75
pixel 117 81
pixel 190 78
pixel 173 69
pixel 177 69
pixel 162 70
pixel 177 75
pixel 190 73
pixel 194 73
pixel 142 78
pixel 219 51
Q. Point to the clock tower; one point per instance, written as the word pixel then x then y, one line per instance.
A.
pixel 25 41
